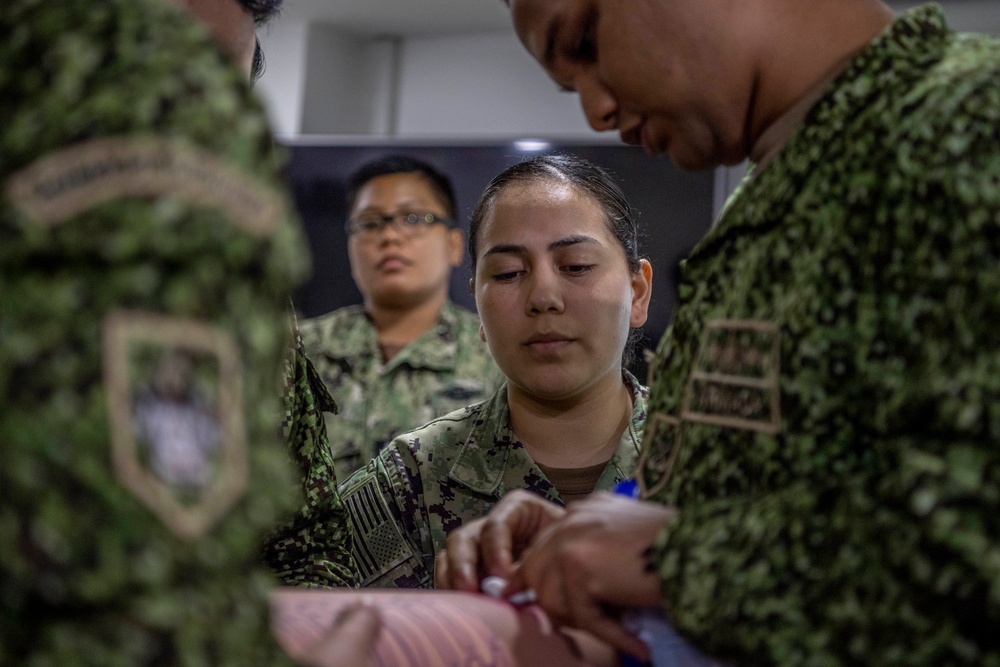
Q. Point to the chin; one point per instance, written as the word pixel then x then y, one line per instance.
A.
pixel 705 155
pixel 550 388
pixel 391 297
pixel 692 162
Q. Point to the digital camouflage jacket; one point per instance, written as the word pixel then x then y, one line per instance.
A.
pixel 146 251
pixel 446 369
pixel 825 408
pixel 431 480
pixel 314 548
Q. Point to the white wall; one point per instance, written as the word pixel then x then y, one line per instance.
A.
pixel 480 85
pixel 345 83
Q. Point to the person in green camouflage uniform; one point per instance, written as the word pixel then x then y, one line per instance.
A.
pixel 860 522
pixel 823 408
pixel 140 214
pixel 443 370
pixel 430 481
pixel 384 381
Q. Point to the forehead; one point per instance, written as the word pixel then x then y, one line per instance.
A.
pixel 402 188
pixel 544 210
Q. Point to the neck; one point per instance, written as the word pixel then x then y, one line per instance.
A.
pixel 575 432
pixel 399 326
pixel 818 37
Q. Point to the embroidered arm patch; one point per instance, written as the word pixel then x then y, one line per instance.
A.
pixel 379 545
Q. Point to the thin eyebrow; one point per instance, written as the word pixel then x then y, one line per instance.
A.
pixel 408 205
pixel 573 240
pixel 513 249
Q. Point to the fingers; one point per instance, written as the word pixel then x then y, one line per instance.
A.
pixel 349 642
pixel 488 546
pixel 515 524
pixel 611 630
pixel 591 563
pixel 442 577
pixel 497 546
pixel 540 569
pixel 457 565
pixel 566 581
pixel 586 612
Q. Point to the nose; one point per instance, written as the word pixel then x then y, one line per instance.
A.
pixel 390 231
pixel 599 105
pixel 544 293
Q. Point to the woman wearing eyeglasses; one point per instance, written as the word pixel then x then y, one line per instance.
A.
pixel 560 288
pixel 407 354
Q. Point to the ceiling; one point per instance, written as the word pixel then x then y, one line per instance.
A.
pixel 443 17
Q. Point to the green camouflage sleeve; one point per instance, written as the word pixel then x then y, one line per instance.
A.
pixel 146 254
pixel 893 552
pixel 315 548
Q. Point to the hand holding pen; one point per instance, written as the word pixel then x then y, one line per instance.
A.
pixel 490 545
pixel 581 562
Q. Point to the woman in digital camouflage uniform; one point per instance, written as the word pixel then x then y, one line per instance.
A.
pixel 559 286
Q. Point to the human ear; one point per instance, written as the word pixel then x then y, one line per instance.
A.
pixel 642 290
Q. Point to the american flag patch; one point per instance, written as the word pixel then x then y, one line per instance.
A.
pixel 379 545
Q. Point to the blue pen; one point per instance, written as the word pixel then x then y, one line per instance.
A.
pixel 627 487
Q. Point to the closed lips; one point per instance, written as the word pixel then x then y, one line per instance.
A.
pixel 393 259
pixel 548 338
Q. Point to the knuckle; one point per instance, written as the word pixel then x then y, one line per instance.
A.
pixel 451 541
pixel 572 562
pixel 493 524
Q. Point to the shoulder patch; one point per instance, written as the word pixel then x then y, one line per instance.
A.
pixel 661 446
pixel 379 545
pixel 64 184
pixel 175 408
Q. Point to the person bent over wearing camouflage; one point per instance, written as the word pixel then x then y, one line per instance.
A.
pixel 408 354
pixel 559 286
pixel 145 253
pixel 821 461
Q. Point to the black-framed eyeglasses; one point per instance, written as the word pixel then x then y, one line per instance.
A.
pixel 369 225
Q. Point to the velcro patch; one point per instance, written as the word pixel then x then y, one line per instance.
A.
pixel 660 448
pixel 734 380
pixel 64 184
pixel 379 546
pixel 175 405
